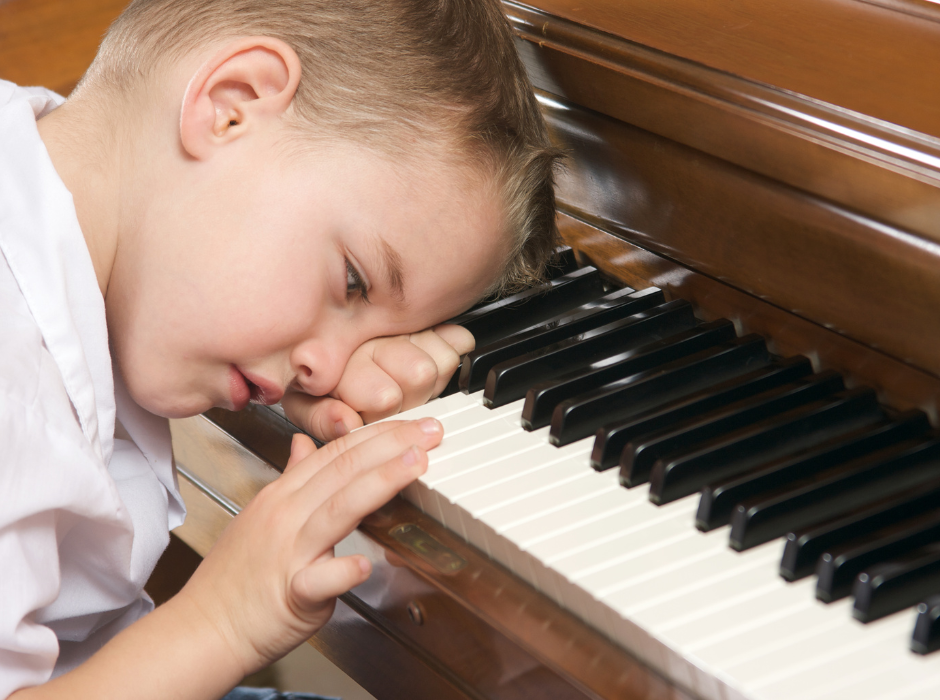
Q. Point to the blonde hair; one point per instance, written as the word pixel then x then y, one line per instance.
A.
pixel 388 74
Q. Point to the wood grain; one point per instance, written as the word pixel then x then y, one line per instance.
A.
pixel 52 42
pixel 898 384
pixel 875 284
pixel 853 54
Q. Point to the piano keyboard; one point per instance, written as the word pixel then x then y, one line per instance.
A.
pixel 772 447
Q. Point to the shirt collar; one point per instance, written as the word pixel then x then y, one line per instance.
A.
pixel 44 247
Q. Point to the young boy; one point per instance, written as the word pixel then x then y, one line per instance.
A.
pixel 243 200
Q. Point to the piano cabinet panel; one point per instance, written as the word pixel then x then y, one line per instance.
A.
pixel 875 284
pixel 898 384
pixel 412 631
pixel 377 661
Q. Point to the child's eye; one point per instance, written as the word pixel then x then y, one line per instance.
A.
pixel 355 284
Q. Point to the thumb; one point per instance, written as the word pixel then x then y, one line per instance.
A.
pixel 323 417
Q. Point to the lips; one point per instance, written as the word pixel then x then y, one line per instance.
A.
pixel 262 391
pixel 245 387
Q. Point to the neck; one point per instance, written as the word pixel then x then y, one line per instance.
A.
pixel 83 148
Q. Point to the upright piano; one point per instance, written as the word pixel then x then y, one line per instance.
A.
pixel 751 176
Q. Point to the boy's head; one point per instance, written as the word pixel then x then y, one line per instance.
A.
pixel 317 149
pixel 415 80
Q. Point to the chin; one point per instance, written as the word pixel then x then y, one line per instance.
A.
pixel 167 406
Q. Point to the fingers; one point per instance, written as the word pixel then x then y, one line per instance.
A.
pixel 323 457
pixel 443 352
pixel 382 377
pixel 369 454
pixel 458 337
pixel 341 512
pixel 325 417
pixel 320 582
pixel 395 374
pixel 376 392
pixel 301 447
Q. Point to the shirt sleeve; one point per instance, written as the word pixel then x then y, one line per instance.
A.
pixel 52 485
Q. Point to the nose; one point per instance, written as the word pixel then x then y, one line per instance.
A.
pixel 318 365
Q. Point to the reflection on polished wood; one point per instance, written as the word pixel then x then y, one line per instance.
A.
pixel 859 56
pixel 898 383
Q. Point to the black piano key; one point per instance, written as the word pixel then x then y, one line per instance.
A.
pixel 891 586
pixel 839 566
pixel 641 453
pixel 658 357
pixel 835 492
pixel 718 500
pixel 515 313
pixel 509 380
pixel 630 399
pixel 563 262
pixel 453 386
pixel 804 548
pixel 685 388
pixel 678 475
pixel 607 309
pixel 926 638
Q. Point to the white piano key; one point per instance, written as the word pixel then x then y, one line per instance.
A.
pixel 471 439
pixel 824 651
pixel 648 592
pixel 516 460
pixel 560 498
pixel 611 527
pixel 459 420
pixel 476 414
pixel 630 543
pixel 526 479
pixel 441 408
pixel 718 622
pixel 550 499
pixel 899 671
pixel 499 453
pixel 618 573
pixel 577 512
pixel 799 623
pixel 713 608
pixel 857 652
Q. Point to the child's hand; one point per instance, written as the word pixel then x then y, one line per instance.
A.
pixel 271 580
pixel 384 376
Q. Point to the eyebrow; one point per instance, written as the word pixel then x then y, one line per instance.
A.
pixel 393 271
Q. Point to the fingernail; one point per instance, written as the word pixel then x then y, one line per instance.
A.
pixel 364 565
pixel 410 457
pixel 340 429
pixel 430 426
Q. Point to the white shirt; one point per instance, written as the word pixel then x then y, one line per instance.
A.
pixel 83 516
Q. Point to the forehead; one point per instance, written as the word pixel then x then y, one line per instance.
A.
pixel 428 222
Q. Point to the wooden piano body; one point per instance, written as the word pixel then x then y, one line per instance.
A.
pixel 775 162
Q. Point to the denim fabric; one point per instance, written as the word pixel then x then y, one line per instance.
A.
pixel 246 693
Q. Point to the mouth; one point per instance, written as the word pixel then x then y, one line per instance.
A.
pixel 255 389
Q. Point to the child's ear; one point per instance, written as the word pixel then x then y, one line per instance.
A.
pixel 244 86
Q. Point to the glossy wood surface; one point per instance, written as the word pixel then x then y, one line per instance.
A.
pixel 843 52
pixel 876 284
pixel 857 161
pixel 898 384
pixel 51 42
